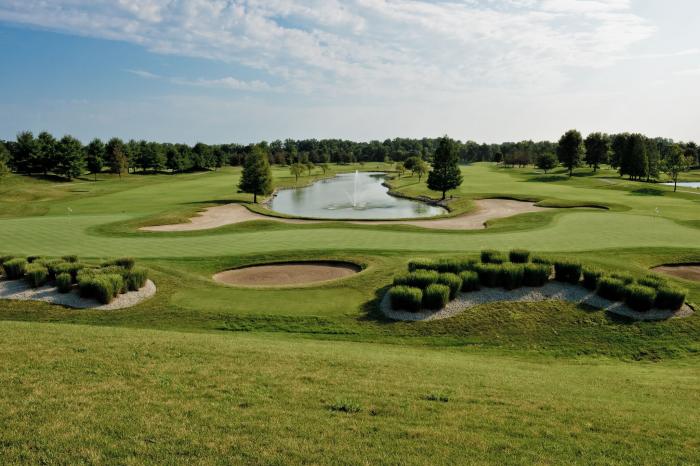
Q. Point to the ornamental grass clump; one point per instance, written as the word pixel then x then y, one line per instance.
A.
pixel 511 276
pixel 454 265
pixel 421 264
pixel 436 296
pixel 125 262
pixel 489 274
pixel 470 280
pixel 640 298
pixel 417 279
pixel 72 268
pixel 452 281
pixel 591 276
pixel 491 256
pixel 567 271
pixel 51 264
pixel 99 287
pixel 519 256
pixel 611 288
pixel 64 282
pixel 653 281
pixel 136 278
pixel 36 275
pixel 4 259
pixel 536 274
pixel 406 298
pixel 625 277
pixel 540 260
pixel 70 258
pixel 670 297
pixel 118 283
pixel 14 268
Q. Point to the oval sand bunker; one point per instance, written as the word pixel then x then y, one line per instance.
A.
pixel 287 273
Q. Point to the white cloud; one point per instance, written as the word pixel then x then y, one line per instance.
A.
pixel 398 48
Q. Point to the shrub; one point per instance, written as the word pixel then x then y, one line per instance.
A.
pixel 14 268
pixel 421 264
pixel 453 282
pixel 117 281
pixel 64 282
pixel 70 258
pixel 36 275
pixel 611 288
pixel 417 279
pixel 436 296
pixel 536 274
pixel 540 260
pixel 136 278
pixel 470 280
pixel 640 298
pixel 405 298
pixel 72 268
pixel 591 275
pixel 653 281
pixel 670 297
pixel 567 271
pixel 489 274
pixel 490 256
pixel 98 287
pixel 511 276
pixel 125 262
pixel 519 256
pixel 625 277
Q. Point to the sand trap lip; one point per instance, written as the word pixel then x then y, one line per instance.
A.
pixel 551 291
pixel 287 273
pixel 21 291
pixel 229 214
pixel 686 271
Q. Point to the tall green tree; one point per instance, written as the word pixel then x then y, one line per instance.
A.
pixel 95 156
pixel 24 153
pixel 115 156
pixel 634 159
pixel 296 169
pixel 4 160
pixel 420 168
pixel 69 157
pixel 257 176
pixel 675 163
pixel 570 150
pixel 445 174
pixel 597 150
pixel 47 155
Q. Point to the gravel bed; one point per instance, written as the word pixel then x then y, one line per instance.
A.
pixel 21 291
pixel 551 291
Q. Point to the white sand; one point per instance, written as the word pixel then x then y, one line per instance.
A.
pixel 20 290
pixel 551 291
pixel 229 214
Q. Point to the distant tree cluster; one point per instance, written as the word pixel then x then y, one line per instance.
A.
pixel 634 155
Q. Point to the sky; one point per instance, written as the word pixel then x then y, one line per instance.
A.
pixel 221 71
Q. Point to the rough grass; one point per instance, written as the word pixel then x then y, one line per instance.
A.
pixel 74 394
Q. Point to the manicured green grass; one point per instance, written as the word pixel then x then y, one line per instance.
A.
pixel 205 373
pixel 75 394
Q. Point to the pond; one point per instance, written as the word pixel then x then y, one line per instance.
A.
pixel 359 195
pixel 686 184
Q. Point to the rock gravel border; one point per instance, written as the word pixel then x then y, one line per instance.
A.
pixel 21 291
pixel 551 291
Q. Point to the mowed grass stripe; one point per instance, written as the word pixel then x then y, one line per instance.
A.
pixel 571 231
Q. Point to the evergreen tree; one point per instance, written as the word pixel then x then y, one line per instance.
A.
pixel 445 174
pixel 115 156
pixel 570 150
pixel 95 156
pixel 257 176
pixel 597 149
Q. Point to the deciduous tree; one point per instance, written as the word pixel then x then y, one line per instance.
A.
pixel 570 150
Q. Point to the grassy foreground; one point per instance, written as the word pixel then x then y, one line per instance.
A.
pixel 78 394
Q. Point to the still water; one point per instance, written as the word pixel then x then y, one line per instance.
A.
pixel 686 184
pixel 358 195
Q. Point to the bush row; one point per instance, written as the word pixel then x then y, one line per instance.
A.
pixel 102 283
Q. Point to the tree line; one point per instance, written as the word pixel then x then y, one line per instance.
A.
pixel 634 155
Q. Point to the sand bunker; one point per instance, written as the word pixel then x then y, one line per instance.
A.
pixel 486 209
pixel 685 271
pixel 286 274
pixel 551 291
pixel 21 291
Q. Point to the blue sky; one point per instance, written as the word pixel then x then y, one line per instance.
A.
pixel 245 70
